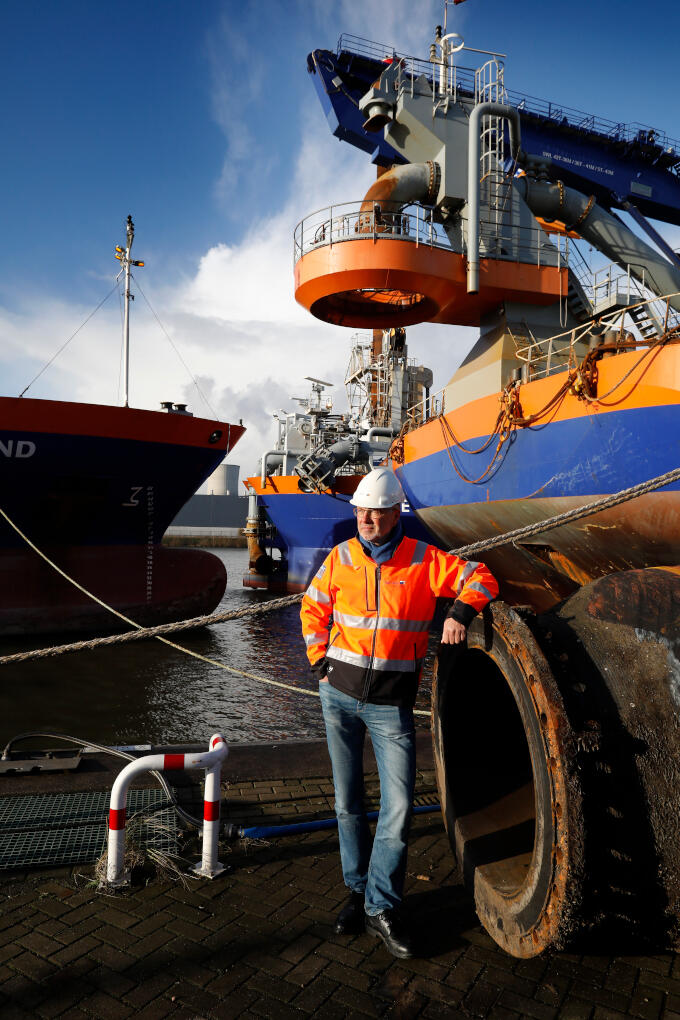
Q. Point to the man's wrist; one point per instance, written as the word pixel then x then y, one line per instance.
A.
pixel 462 613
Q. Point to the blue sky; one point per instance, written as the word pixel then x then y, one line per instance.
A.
pixel 201 120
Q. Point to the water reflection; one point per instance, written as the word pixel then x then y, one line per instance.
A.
pixel 148 693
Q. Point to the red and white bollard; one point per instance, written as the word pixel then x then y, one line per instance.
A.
pixel 209 866
pixel 211 761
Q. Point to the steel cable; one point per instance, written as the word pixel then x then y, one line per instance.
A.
pixel 67 342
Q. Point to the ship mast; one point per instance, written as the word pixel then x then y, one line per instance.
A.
pixel 123 256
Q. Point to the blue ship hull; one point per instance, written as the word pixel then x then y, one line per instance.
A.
pixel 544 471
pixel 308 525
pixel 586 456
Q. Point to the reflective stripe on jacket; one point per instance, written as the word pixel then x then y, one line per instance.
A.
pixel 379 616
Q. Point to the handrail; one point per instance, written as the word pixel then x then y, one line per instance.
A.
pixel 542 354
pixel 636 132
pixel 358 221
pixel 415 224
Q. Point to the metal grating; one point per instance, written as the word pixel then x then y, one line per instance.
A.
pixel 71 828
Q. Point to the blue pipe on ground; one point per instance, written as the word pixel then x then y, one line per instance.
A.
pixel 265 831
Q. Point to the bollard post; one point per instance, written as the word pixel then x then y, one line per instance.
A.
pixel 209 866
pixel 210 760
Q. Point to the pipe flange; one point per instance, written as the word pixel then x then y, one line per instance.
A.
pixel 434 181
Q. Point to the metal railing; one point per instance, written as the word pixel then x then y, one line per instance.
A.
pixel 581 270
pixel 613 283
pixel 544 357
pixel 429 407
pixel 361 221
pixel 555 353
pixel 464 81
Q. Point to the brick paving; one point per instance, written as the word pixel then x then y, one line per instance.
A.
pixel 258 942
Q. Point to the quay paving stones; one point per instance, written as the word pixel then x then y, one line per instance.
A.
pixel 258 942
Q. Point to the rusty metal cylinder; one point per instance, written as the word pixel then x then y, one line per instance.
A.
pixel 557 749
pixel 255 532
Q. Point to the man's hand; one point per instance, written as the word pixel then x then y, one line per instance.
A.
pixel 454 632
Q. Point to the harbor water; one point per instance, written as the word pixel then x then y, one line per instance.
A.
pixel 148 693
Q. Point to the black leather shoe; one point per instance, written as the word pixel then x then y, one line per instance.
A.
pixel 389 927
pixel 351 919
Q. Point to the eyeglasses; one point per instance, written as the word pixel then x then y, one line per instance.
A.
pixel 369 512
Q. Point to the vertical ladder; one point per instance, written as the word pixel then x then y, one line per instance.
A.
pixel 495 186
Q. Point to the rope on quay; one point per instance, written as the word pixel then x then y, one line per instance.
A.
pixel 140 632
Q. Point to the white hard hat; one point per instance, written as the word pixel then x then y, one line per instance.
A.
pixel 378 490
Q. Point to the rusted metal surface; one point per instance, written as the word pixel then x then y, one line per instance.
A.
pixel 557 751
pixel 401 185
pixel 642 533
pixel 626 702
pixel 517 835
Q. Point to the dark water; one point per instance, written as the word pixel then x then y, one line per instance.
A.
pixel 146 692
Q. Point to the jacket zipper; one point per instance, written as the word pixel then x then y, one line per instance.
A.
pixel 369 671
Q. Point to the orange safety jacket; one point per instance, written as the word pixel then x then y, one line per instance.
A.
pixel 369 624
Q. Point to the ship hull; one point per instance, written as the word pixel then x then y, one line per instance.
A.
pixel 308 525
pixel 149 585
pixel 582 452
pixel 94 488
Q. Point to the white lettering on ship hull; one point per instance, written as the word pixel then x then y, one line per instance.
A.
pixel 134 495
pixel 19 448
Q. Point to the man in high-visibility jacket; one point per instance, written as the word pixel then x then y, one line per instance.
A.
pixel 365 619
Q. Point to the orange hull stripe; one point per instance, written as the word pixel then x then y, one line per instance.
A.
pixel 288 485
pixel 656 383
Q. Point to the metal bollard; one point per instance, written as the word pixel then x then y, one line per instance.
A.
pixel 209 866
pixel 210 760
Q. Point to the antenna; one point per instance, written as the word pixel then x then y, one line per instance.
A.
pixel 123 256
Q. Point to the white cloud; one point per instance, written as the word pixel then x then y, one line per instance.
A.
pixel 237 70
pixel 234 318
pixel 32 334
pixel 406 26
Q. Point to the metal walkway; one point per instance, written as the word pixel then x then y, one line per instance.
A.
pixel 71 828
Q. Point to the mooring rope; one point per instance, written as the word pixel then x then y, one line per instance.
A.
pixel 157 632
pixel 43 653
pixel 149 632
pixel 603 503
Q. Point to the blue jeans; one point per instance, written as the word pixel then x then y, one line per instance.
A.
pixel 378 872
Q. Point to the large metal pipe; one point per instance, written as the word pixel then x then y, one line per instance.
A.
pixel 474 131
pixel 412 182
pixel 277 458
pixel 380 431
pixel 321 467
pixel 606 233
